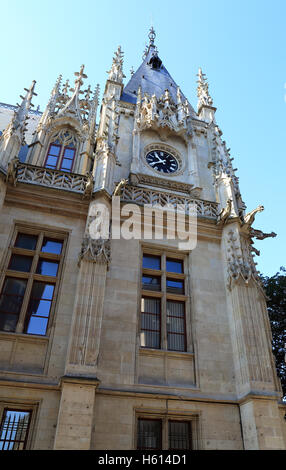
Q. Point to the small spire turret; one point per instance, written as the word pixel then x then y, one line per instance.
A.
pixel 206 110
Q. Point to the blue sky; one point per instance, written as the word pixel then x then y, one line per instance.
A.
pixel 240 45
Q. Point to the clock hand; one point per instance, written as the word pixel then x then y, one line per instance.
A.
pixel 159 159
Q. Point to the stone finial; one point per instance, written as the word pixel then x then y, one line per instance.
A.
pixel 203 90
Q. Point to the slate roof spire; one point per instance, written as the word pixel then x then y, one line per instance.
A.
pixel 151 77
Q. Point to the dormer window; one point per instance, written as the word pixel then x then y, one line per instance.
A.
pixel 62 150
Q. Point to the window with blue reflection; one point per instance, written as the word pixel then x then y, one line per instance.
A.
pixel 47 268
pixel 52 246
pixel 14 429
pixel 151 282
pixel 39 308
pixel 174 266
pixel 175 286
pixel 151 262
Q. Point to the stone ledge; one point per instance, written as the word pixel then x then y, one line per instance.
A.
pixel 165 352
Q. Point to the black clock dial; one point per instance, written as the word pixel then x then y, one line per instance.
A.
pixel 162 161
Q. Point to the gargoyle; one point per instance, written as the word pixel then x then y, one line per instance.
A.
pixel 248 219
pixel 261 235
pixel 88 186
pixel 224 213
pixel 119 186
pixel 12 171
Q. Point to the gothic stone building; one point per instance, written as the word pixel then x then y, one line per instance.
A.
pixel 120 342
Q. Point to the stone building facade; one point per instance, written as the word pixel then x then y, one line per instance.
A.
pixel 121 342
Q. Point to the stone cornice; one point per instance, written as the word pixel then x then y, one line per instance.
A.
pixel 80 380
pixel 48 200
pixel 193 395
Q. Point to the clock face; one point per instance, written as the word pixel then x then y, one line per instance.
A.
pixel 162 161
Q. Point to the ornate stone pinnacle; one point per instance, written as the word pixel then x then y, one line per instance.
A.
pixel 96 93
pixel 66 87
pixel 203 90
pixel 57 84
pixel 20 117
pixel 116 72
pixel 26 100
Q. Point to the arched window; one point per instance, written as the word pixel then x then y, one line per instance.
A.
pixel 61 152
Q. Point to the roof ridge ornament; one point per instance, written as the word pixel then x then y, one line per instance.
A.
pixel 152 36
pixel 154 62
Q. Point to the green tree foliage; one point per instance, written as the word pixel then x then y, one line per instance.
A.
pixel 275 289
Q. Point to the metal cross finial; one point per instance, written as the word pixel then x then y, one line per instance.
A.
pixel 152 36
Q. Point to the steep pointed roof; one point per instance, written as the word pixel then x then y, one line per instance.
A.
pixel 152 76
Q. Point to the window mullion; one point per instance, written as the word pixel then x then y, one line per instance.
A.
pixel 21 321
pixel 61 155
pixel 163 304
pixel 23 313
pixel 165 437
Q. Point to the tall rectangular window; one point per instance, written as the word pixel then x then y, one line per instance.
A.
pixel 149 434
pixel 31 278
pixel 163 304
pixel 179 435
pixel 150 322
pixel 176 328
pixel 14 429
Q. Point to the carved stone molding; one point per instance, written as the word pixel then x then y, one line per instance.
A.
pixel 56 179
pixel 142 196
pixel 97 251
pixel 164 112
pixel 141 178
pixel 240 260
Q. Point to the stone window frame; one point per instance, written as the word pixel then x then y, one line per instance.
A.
pixel 164 295
pixel 165 418
pixel 30 276
pixel 25 405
